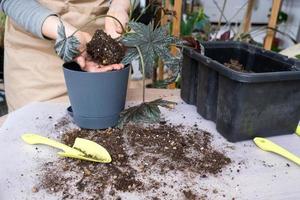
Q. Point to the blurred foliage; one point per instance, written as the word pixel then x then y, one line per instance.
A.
pixel 2 28
pixel 297 56
pixel 172 2
pixel 197 25
pixel 282 16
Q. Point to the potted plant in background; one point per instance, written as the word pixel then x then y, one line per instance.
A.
pixel 98 98
pixel 3 106
pixel 2 31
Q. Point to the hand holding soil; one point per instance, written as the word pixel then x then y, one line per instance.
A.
pixel 101 53
pixel 86 62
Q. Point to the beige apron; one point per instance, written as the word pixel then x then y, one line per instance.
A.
pixel 32 70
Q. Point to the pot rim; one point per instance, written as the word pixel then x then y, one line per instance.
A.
pixel 109 72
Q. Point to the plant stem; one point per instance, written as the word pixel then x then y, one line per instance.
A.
pixel 143 70
pixel 221 15
pixel 98 17
pixel 132 4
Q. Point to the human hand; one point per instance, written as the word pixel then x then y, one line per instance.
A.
pixel 49 30
pixel 112 27
pixel 85 62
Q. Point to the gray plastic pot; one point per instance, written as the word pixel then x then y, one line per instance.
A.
pixel 96 98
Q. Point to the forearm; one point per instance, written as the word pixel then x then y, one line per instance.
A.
pixel 28 14
pixel 51 24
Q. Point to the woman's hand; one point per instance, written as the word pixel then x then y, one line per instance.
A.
pixel 86 64
pixel 112 27
pixel 49 30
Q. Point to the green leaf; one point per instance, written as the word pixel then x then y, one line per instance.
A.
pixel 131 54
pixel 153 43
pixel 187 26
pixel 297 56
pixel 66 47
pixel 147 112
pixel 149 58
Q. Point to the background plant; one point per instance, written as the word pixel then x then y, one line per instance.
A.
pixel 196 24
pixel 2 28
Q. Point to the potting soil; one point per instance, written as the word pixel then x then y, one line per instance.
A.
pixel 236 65
pixel 149 162
pixel 104 50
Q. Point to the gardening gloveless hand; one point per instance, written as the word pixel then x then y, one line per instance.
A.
pixel 49 31
pixel 112 27
pixel 87 64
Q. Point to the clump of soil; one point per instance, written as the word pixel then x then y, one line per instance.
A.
pixel 104 50
pixel 236 65
pixel 188 194
pixel 138 152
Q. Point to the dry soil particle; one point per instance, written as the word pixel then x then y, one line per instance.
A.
pixel 105 50
pixel 236 65
pixel 136 151
pixel 188 194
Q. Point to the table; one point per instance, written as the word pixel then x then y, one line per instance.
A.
pixel 261 175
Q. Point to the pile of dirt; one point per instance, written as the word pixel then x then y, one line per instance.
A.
pixel 137 152
pixel 104 50
pixel 236 66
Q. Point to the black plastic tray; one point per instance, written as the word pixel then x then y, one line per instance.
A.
pixel 243 105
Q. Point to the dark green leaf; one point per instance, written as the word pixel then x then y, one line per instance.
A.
pixel 132 40
pixel 153 43
pixel 147 112
pixel 131 54
pixel 149 57
pixel 66 47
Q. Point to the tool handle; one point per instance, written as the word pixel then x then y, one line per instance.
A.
pixel 37 139
pixel 298 129
pixel 285 153
pixel 268 145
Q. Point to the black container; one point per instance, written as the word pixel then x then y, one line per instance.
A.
pixel 243 105
pixel 96 98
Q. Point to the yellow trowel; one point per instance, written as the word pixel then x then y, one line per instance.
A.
pixel 82 149
pixel 298 129
pixel 267 145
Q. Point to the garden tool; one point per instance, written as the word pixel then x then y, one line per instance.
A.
pixel 82 149
pixel 267 145
pixel 298 129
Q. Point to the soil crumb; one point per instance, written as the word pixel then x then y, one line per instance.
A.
pixel 145 158
pixel 104 50
pixel 189 195
pixel 236 66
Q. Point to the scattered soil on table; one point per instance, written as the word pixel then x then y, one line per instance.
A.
pixel 138 152
pixel 104 50
pixel 236 66
pixel 189 195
